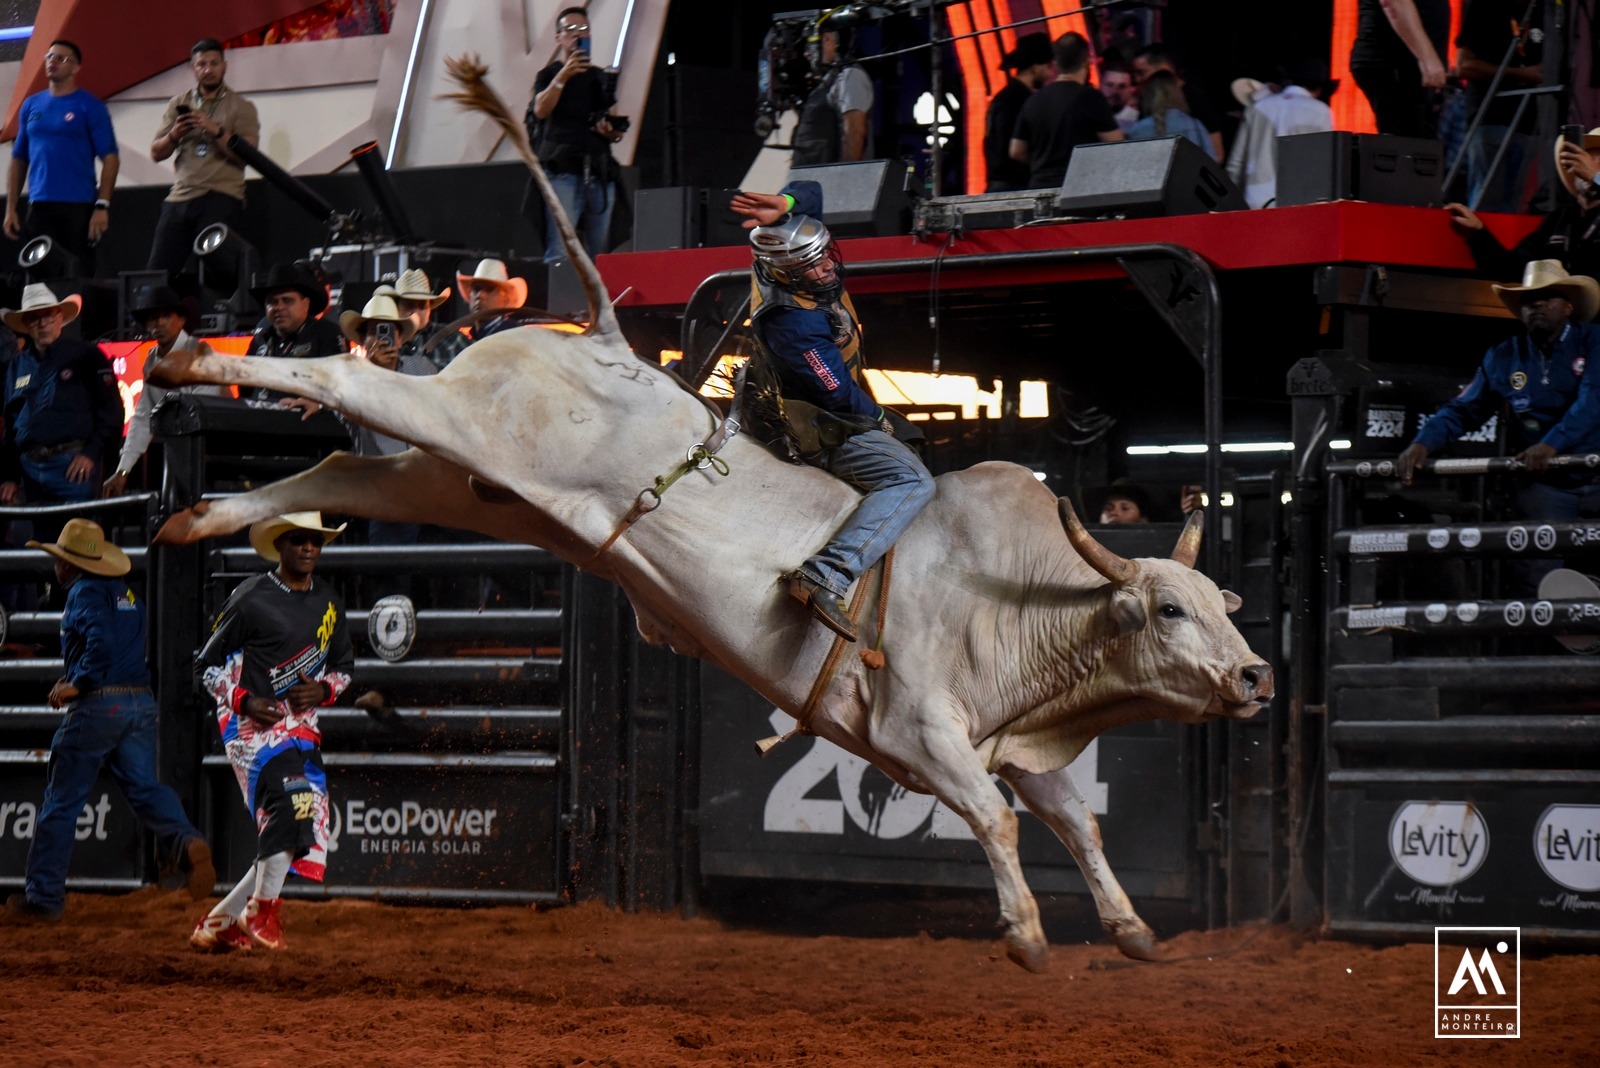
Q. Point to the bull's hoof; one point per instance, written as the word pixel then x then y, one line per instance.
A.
pixel 180 529
pixel 1139 943
pixel 174 369
pixel 1034 956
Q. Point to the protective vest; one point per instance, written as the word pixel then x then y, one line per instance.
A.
pixel 766 295
pixel 816 135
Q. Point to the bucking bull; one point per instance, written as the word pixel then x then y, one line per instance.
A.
pixel 1007 645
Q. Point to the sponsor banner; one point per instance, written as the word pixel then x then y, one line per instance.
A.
pixel 411 826
pixel 1475 853
pixel 106 835
pixel 809 798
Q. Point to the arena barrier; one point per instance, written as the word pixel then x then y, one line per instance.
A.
pixel 1460 740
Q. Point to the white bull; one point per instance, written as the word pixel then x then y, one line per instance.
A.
pixel 1009 646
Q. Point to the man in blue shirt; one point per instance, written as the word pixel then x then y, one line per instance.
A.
pixel 809 338
pixel 60 133
pixel 110 722
pixel 1554 406
pixel 63 412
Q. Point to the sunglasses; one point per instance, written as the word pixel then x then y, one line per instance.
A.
pixel 304 537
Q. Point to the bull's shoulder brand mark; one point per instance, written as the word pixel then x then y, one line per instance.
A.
pixel 1378 541
pixel 1438 843
pixel 1477 982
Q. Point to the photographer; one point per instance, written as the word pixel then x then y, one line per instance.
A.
pixel 572 131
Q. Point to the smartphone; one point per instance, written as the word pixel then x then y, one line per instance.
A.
pixel 583 46
pixel 1572 134
pixel 384 332
pixel 182 109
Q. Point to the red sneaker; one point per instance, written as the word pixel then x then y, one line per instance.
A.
pixel 220 934
pixel 261 922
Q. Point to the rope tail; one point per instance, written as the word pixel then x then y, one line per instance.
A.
pixel 476 95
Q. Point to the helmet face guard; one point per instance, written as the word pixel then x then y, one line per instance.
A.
pixel 790 247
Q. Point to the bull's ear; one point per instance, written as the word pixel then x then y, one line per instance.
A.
pixel 1127 610
pixel 1231 601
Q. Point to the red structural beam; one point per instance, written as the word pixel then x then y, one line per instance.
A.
pixel 1341 232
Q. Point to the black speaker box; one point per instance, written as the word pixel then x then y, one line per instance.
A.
pixel 1381 168
pixel 1164 176
pixel 865 199
pixel 665 218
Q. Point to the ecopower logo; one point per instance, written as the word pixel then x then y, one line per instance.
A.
pixel 1477 982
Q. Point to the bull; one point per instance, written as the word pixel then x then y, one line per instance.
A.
pixel 1011 636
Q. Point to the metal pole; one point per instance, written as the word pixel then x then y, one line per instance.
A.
pixel 936 82
pixel 1488 98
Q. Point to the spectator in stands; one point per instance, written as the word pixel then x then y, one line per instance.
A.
pixel 569 127
pixel 1060 116
pixel 1123 502
pixel 209 185
pixel 60 133
pixel 63 413
pixel 1554 406
pixel 293 299
pixel 1570 234
pixel 163 315
pixel 1154 57
pixel 279 651
pixel 1030 66
pixel 1489 28
pixel 833 126
pixel 1396 61
pixel 1116 85
pixel 1298 107
pixel 1165 113
pixel 110 722
pixel 413 292
pixel 491 288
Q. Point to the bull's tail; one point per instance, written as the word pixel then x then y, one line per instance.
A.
pixel 476 95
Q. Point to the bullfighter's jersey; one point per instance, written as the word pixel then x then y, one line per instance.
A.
pixel 265 637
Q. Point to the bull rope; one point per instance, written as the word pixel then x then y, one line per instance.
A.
pixel 698 457
pixel 873 657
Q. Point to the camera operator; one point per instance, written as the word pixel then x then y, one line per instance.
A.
pixel 571 128
pixel 833 125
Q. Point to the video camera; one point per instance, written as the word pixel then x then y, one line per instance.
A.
pixel 784 70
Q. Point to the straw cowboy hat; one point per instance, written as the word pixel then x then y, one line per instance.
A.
pixel 414 285
pixel 493 272
pixel 83 544
pixel 295 277
pixel 380 309
pixel 37 297
pixel 1591 141
pixel 1582 291
pixel 1244 90
pixel 265 532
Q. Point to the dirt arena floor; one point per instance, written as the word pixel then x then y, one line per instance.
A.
pixel 366 984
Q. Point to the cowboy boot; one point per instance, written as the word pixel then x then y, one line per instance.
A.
pixel 826 606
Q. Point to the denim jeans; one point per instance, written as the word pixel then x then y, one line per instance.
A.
pixel 1541 500
pixel 897 487
pixel 588 202
pixel 119 732
pixel 45 482
pixel 1504 190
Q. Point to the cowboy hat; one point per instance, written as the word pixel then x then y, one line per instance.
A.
pixel 149 300
pixel 1582 291
pixel 1032 49
pixel 83 544
pixel 265 532
pixel 1591 141
pixel 1564 584
pixel 414 285
pixel 291 276
pixel 380 309
pixel 1244 90
pixel 37 297
pixel 1119 490
pixel 493 272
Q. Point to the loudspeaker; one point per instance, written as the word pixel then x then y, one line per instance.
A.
pixel 666 218
pixel 1140 179
pixel 864 199
pixel 722 226
pixel 1381 168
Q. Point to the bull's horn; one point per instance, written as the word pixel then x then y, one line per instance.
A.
pixel 1097 556
pixel 1188 550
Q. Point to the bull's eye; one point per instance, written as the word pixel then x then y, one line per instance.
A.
pixel 1171 611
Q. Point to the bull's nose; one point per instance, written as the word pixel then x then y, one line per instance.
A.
pixel 1257 679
